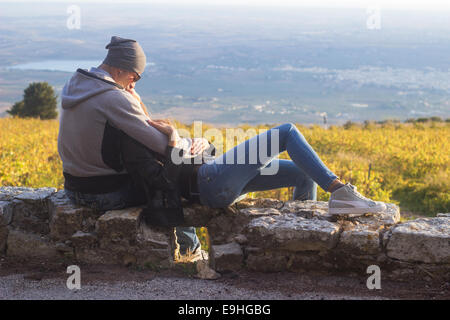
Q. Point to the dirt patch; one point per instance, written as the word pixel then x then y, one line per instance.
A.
pixel 288 284
pixel 293 283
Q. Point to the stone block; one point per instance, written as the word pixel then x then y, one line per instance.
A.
pixel 30 210
pixel 5 219
pixel 227 257
pixel 84 240
pixel 34 195
pixel 224 227
pixel 259 203
pixel 123 239
pixel 155 246
pixel 359 239
pixel 87 250
pixel 118 227
pixel 289 232
pixel 268 261
pixel 204 271
pixel 67 218
pixel 307 209
pixel 422 240
pixel 443 215
pixel 65 222
pixel 251 213
pixel 306 261
pixel 24 244
pixel 8 193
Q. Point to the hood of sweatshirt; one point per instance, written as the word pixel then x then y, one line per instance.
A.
pixel 86 84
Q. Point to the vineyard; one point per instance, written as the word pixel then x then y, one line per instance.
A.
pixel 402 163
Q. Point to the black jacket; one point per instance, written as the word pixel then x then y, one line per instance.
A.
pixel 158 177
pixel 163 181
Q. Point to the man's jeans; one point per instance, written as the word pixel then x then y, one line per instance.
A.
pixel 129 196
pixel 232 174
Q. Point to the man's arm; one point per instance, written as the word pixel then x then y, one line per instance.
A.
pixel 127 115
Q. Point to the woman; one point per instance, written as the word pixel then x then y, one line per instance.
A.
pixel 223 180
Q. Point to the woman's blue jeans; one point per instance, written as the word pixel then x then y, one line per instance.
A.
pixel 251 166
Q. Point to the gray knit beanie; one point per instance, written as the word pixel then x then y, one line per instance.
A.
pixel 125 54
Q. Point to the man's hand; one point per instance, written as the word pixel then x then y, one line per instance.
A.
pixel 199 145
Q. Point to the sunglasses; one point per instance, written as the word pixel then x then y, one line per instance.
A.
pixel 136 77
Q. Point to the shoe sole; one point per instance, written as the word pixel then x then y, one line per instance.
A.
pixel 356 211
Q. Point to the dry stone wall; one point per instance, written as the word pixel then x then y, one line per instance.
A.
pixel 264 235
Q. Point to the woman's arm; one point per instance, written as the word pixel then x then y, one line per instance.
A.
pixel 144 108
pixel 138 97
pixel 166 127
pixel 197 146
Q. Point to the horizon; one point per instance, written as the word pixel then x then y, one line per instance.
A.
pixel 401 5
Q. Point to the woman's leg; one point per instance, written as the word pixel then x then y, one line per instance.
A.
pixel 222 181
pixel 288 175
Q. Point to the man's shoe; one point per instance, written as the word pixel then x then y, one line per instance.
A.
pixel 196 255
pixel 347 201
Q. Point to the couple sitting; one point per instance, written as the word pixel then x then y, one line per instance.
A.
pixel 116 156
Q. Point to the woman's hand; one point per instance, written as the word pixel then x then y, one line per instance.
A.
pixel 166 127
pixel 163 125
pixel 199 145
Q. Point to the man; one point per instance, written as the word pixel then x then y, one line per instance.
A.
pixel 95 101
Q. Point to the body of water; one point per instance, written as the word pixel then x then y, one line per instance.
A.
pixel 58 65
pixel 61 65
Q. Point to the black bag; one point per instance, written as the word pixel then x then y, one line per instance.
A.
pixel 153 173
pixel 148 170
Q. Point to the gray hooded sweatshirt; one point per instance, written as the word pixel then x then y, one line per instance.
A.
pixel 87 104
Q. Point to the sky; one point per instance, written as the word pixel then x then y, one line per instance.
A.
pixel 382 4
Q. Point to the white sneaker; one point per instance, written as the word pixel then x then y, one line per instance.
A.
pixel 347 201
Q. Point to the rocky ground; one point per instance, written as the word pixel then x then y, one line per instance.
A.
pixel 24 281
